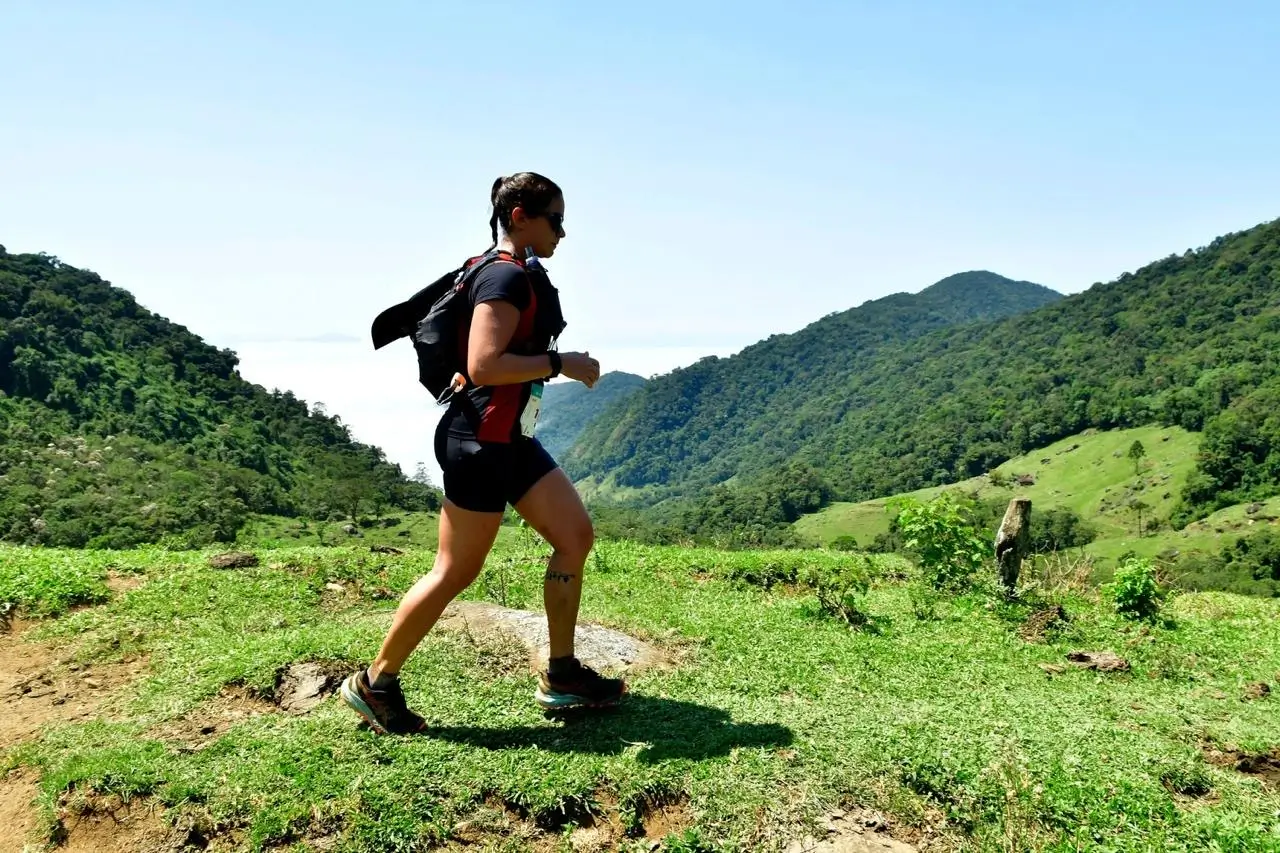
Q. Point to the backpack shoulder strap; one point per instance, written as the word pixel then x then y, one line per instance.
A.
pixel 399 320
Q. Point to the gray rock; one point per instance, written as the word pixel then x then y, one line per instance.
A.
pixel 596 646
pixel 303 686
pixel 233 560
pixel 1101 661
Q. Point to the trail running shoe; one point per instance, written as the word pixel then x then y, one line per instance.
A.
pixel 581 687
pixel 384 710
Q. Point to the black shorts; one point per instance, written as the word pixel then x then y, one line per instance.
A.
pixel 485 477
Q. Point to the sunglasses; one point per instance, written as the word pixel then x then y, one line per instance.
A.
pixel 556 221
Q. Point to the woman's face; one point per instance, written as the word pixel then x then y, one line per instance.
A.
pixel 544 231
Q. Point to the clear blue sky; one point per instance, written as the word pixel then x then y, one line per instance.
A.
pixel 272 175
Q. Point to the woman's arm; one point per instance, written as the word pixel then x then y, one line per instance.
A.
pixel 488 363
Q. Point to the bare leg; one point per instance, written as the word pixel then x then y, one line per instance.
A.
pixel 554 509
pixel 466 538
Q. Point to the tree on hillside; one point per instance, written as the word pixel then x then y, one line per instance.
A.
pixel 1136 452
pixel 1139 507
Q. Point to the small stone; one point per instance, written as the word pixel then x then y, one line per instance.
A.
pixel 233 560
pixel 1261 690
pixel 92 683
pixel 335 587
pixel 303 686
pixel 1101 661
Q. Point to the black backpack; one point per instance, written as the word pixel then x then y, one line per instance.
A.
pixel 433 318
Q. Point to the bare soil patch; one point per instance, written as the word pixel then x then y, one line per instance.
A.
pixel 214 718
pixel 300 687
pixel 92 824
pixel 17 810
pixel 665 817
pixel 120 584
pixel 38 687
pixel 857 831
pixel 1254 692
pixel 1039 624
pixel 596 646
pixel 1264 766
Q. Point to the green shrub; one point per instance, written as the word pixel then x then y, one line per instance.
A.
pixel 842 586
pixel 942 535
pixel 1135 590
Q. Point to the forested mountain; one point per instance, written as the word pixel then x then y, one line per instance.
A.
pixel 724 417
pixel 1192 340
pixel 119 427
pixel 567 407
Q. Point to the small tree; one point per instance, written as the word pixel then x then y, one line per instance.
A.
pixel 1136 452
pixel 1138 508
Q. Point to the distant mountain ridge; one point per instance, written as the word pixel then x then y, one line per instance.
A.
pixel 886 399
pixel 567 407
pixel 720 418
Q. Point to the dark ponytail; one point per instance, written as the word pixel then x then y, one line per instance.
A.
pixel 493 200
pixel 528 190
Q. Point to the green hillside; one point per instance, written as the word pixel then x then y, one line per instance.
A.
pixel 119 427
pixel 1191 341
pixel 1093 475
pixel 1090 474
pixel 719 418
pixel 567 407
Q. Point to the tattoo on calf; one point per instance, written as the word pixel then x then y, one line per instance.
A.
pixel 553 575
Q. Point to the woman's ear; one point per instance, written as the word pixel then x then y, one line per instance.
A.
pixel 518 218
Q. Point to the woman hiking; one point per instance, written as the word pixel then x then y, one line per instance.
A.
pixel 489 458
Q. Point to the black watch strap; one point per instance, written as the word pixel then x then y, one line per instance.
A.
pixel 555 364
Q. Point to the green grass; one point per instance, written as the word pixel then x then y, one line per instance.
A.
pixel 40 582
pixel 776 715
pixel 397 529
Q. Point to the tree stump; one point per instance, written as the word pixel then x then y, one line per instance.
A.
pixel 1013 541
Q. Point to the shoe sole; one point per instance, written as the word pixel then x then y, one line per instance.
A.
pixel 355 703
pixel 565 701
pixel 351 696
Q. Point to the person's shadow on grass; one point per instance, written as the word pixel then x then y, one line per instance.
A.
pixel 661 728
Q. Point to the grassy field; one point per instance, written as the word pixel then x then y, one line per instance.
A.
pixel 942 729
pixel 397 529
pixel 1090 474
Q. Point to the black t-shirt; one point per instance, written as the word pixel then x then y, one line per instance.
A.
pixel 492 413
pixel 502 281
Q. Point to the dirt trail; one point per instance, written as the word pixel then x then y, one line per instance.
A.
pixel 17 814
pixel 39 687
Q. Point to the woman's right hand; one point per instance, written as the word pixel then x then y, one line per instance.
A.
pixel 580 366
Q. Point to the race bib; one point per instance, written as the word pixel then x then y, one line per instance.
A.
pixel 529 417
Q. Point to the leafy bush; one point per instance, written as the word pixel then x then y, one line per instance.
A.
pixel 845 543
pixel 842 586
pixel 942 535
pixel 1136 590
